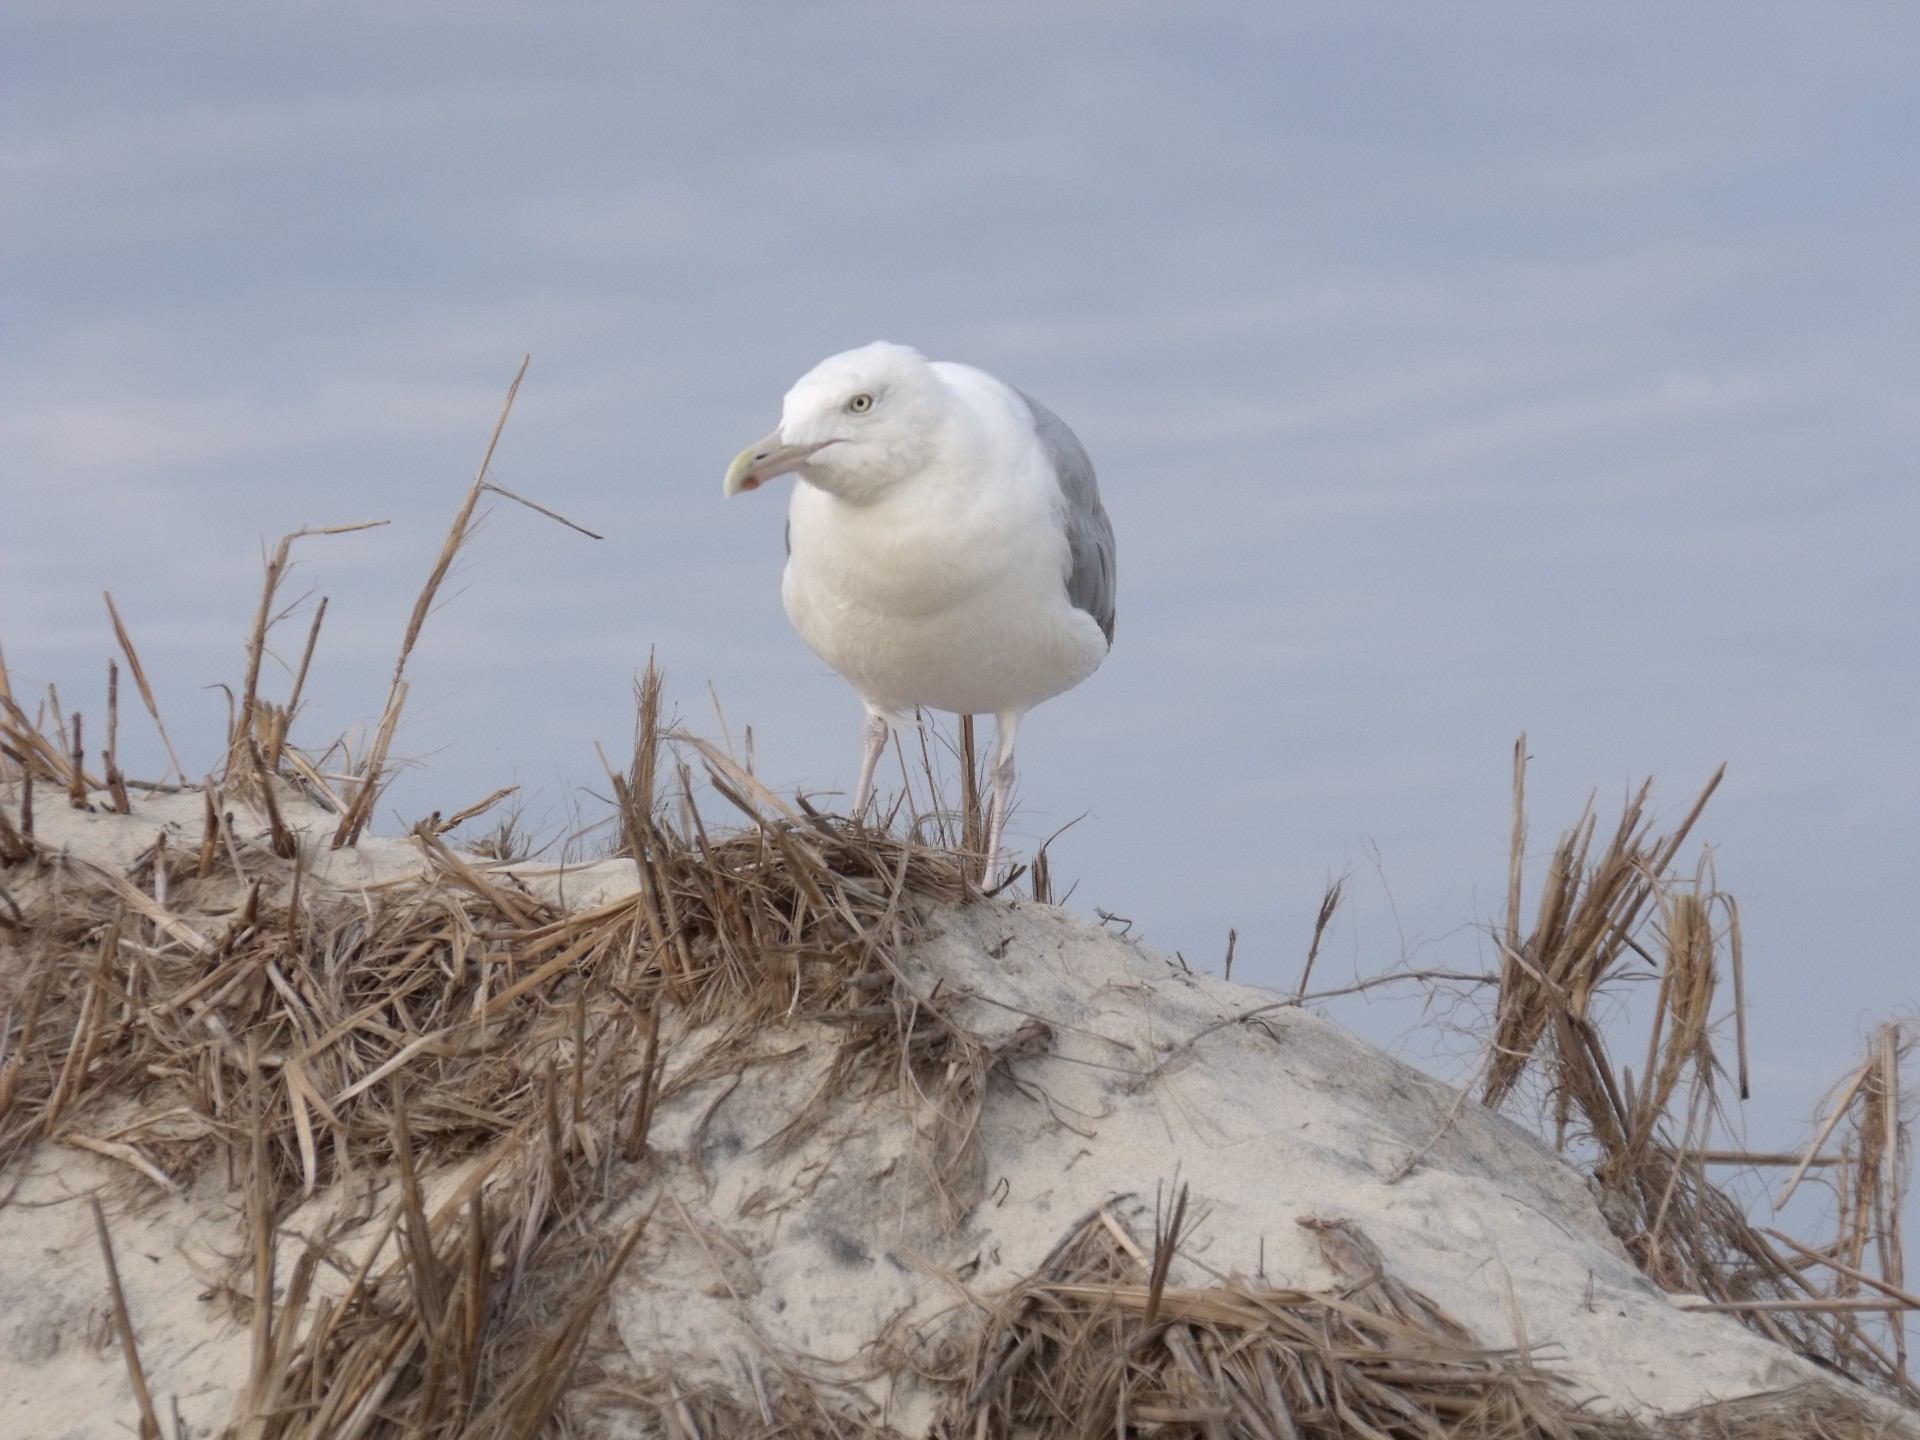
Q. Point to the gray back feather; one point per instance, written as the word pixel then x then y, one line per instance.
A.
pixel 1092 576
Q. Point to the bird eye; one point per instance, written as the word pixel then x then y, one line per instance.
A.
pixel 860 404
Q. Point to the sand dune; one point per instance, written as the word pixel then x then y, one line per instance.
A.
pixel 913 1189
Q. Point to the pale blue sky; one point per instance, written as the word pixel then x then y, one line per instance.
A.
pixel 1451 371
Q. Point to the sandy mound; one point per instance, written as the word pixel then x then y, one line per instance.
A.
pixel 783 1133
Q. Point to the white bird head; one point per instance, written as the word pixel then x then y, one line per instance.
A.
pixel 854 425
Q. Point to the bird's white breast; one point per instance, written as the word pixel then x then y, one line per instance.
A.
pixel 949 590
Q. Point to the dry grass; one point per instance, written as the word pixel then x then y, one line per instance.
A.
pixel 462 1021
pixel 1607 917
pixel 1095 1342
pixel 300 1043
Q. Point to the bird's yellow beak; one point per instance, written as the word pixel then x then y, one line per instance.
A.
pixel 762 461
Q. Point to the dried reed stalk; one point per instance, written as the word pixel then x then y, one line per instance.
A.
pixel 973 838
pixel 292 706
pixel 140 679
pixel 116 782
pixel 242 732
pixel 1329 906
pixel 123 1323
pixel 76 770
pixel 360 801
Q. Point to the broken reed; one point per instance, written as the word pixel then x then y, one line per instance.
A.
pixel 1613 912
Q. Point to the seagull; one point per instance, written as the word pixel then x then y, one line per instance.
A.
pixel 946 546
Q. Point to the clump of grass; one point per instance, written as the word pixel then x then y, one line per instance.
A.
pixel 298 1041
pixel 1097 1342
pixel 1614 914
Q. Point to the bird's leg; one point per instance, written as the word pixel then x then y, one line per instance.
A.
pixel 873 740
pixel 1005 727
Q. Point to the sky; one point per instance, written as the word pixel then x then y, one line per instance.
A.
pixel 1451 373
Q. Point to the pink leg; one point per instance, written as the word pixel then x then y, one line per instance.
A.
pixel 873 740
pixel 1005 728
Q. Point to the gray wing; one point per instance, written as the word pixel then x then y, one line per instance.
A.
pixel 1093 575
